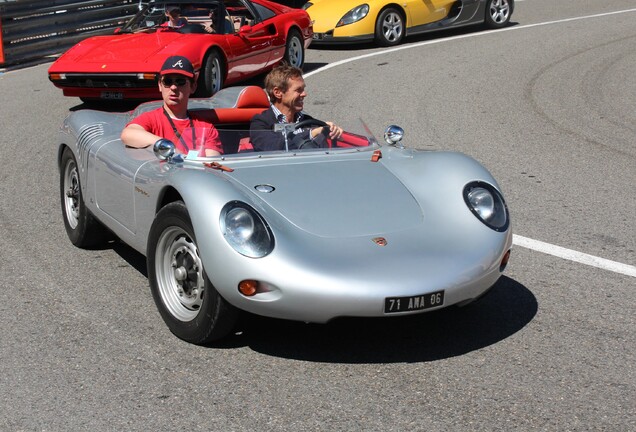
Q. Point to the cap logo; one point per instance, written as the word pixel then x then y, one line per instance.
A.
pixel 179 63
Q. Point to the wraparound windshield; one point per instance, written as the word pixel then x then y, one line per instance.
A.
pixel 202 17
pixel 204 143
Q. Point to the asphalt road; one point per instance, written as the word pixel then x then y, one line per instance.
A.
pixel 547 105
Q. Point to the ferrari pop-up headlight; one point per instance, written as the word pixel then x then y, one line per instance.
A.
pixel 245 230
pixel 487 204
pixel 354 15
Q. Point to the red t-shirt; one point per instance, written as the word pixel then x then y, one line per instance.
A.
pixel 206 135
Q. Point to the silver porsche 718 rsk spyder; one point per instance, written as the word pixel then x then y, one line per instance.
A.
pixel 348 228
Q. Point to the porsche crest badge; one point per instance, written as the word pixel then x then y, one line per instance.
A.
pixel 380 241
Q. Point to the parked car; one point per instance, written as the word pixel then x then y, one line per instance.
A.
pixel 352 229
pixel 249 37
pixel 387 22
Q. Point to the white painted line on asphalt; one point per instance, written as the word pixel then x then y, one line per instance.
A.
pixel 518 240
pixel 464 36
pixel 573 255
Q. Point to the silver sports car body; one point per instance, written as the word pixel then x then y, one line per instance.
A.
pixel 352 228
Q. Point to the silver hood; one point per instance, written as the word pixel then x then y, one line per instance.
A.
pixel 317 197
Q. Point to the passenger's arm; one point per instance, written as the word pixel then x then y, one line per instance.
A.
pixel 136 136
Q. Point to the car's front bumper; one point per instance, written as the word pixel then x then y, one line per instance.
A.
pixel 325 284
pixel 107 86
pixel 328 38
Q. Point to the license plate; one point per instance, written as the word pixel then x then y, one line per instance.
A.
pixel 414 303
pixel 112 95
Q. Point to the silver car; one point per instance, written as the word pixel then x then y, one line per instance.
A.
pixel 353 229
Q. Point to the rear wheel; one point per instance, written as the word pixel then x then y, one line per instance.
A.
pixel 188 303
pixel 498 13
pixel 295 49
pixel 81 226
pixel 212 74
pixel 389 28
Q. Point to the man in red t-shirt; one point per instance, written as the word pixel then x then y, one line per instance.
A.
pixel 172 121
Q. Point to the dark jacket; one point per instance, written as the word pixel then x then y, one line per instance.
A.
pixel 264 138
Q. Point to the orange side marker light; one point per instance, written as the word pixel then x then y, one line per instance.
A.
pixel 248 287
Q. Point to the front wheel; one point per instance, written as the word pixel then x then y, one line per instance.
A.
pixel 295 49
pixel 188 303
pixel 389 28
pixel 81 226
pixel 498 13
pixel 212 74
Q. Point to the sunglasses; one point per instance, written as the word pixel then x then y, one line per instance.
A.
pixel 168 82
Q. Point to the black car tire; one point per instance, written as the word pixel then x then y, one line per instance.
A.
pixel 498 13
pixel 212 75
pixel 295 49
pixel 390 27
pixel 81 226
pixel 188 302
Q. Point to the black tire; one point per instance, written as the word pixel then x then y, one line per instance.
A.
pixel 212 75
pixel 294 49
pixel 498 13
pixel 81 226
pixel 390 27
pixel 188 302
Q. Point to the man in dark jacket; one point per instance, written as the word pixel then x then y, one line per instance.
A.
pixel 286 89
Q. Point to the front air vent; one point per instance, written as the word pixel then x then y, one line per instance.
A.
pixel 86 137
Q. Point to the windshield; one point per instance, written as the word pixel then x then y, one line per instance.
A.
pixel 203 17
pixel 200 143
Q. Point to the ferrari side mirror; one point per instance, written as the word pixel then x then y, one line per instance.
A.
pixel 245 30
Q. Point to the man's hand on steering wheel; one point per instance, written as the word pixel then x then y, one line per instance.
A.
pixel 334 131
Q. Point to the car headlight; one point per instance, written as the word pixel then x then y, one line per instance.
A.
pixel 307 5
pixel 354 15
pixel 245 230
pixel 487 204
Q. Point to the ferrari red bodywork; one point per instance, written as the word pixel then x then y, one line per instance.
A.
pixel 252 37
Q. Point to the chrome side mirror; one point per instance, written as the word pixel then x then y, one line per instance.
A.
pixel 164 149
pixel 393 136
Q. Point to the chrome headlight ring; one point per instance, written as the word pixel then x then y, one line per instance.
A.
pixel 487 204
pixel 245 230
pixel 354 15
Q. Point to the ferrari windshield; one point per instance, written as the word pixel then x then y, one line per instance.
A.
pixel 220 17
pixel 202 143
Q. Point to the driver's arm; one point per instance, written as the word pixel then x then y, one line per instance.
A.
pixel 335 131
pixel 262 136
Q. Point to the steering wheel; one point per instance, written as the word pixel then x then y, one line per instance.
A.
pixel 311 143
pixel 311 122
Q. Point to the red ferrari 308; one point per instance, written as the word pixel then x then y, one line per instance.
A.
pixel 227 41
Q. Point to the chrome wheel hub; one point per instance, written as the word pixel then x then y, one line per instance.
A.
pixel 295 52
pixel 71 194
pixel 499 11
pixel 179 274
pixel 392 27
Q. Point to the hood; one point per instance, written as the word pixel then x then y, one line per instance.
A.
pixel 120 53
pixel 335 199
pixel 327 13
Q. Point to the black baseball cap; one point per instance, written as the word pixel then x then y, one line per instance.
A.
pixel 177 65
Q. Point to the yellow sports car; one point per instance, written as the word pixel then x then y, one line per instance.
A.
pixel 387 22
